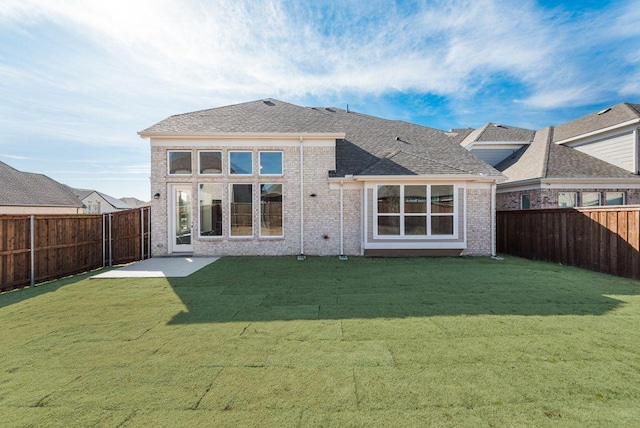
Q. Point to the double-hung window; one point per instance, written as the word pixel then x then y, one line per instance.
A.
pixel 415 210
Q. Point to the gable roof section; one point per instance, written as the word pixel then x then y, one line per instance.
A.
pixel 115 203
pixel 493 132
pixel 396 147
pixel 615 115
pixel 544 160
pixel 28 189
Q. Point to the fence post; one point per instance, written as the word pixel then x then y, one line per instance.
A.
pixel 110 243
pixel 104 241
pixel 149 233
pixel 32 233
pixel 142 234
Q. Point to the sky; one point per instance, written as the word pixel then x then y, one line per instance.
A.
pixel 79 79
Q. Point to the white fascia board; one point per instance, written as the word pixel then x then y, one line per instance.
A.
pixel 481 145
pixel 245 135
pixel 569 183
pixel 422 178
pixel 236 141
pixel 599 131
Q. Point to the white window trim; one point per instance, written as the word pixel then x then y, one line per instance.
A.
pixel 575 199
pixel 169 163
pixel 582 199
pixel 281 164
pixel 252 216
pixel 428 214
pixel 260 214
pixel 521 201
pixel 221 163
pixel 229 173
pixel 624 197
pixel 207 237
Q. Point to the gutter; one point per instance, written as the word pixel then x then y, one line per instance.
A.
pixel 430 177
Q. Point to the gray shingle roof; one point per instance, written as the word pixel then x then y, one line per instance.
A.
pixel 496 132
pixel 116 203
pixel 373 145
pixel 615 115
pixel 28 189
pixel 544 159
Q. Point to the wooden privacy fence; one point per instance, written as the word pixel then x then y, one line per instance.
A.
pixel 604 239
pixel 39 248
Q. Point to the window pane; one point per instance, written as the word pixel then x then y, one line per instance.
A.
pixel 271 163
pixel 615 198
pixel 388 225
pixel 442 225
pixel 525 202
pixel 590 199
pixel 442 199
pixel 271 210
pixel 415 199
pixel 210 162
pixel 389 199
pixel 241 210
pixel 241 163
pixel 179 162
pixel 210 209
pixel 415 225
pixel 567 199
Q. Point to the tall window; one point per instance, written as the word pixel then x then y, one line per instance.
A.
pixel 179 163
pixel 210 163
pixel 271 210
pixel 241 209
pixel 270 163
pixel 415 210
pixel 525 202
pixel 240 163
pixel 210 209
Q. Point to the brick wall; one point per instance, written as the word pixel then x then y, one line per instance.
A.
pixel 548 198
pixel 478 222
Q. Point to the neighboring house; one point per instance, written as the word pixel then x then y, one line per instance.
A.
pixel 589 161
pixel 135 202
pixel 28 193
pixel 272 178
pixel 494 142
pixel 99 203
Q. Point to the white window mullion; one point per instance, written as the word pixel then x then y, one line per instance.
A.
pixel 402 210
pixel 428 210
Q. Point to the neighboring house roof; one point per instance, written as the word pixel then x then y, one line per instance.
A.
pixel 605 118
pixel 544 160
pixel 371 145
pixel 82 194
pixel 494 132
pixel 28 189
pixel 134 202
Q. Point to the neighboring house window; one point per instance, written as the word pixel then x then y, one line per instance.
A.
pixel 241 209
pixel 240 163
pixel 591 199
pixel 567 199
pixel 210 201
pixel 415 210
pixel 270 163
pixel 210 163
pixel 614 198
pixel 271 210
pixel 179 163
pixel 525 202
pixel 93 207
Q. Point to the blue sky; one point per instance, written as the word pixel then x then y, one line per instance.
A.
pixel 78 79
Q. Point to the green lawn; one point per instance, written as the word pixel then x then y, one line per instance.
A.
pixel 366 342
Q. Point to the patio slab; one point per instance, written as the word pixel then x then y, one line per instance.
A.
pixel 159 267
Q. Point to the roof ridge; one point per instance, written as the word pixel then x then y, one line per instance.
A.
pixel 545 160
pixel 632 108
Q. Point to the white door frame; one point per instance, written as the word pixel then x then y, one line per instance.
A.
pixel 183 243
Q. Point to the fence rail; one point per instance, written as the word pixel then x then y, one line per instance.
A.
pixel 44 247
pixel 601 239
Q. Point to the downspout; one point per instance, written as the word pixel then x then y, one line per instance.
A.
pixel 342 256
pixel 301 256
pixel 493 219
pixel 636 150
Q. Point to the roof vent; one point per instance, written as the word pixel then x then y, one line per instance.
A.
pixel 398 139
pixel 269 103
pixel 603 111
pixel 497 125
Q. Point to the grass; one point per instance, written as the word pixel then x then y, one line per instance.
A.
pixel 366 342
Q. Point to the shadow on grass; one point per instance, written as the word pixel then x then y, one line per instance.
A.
pixel 21 294
pixel 282 288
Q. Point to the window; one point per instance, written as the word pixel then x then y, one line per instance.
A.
pixel 271 210
pixel 240 163
pixel 270 163
pixel 241 209
pixel 404 210
pixel 590 199
pixel 210 209
pixel 210 163
pixel 614 198
pixel 179 163
pixel 525 202
pixel 567 199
